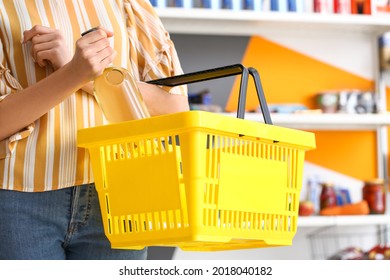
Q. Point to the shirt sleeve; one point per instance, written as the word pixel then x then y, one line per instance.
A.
pixel 9 85
pixel 150 45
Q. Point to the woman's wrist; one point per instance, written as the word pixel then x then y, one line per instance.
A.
pixel 88 88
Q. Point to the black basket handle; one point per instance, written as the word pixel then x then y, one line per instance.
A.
pixel 222 72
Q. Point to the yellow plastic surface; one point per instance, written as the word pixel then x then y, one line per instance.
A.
pixel 197 180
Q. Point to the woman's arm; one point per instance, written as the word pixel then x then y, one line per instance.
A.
pixel 93 54
pixel 49 47
pixel 160 102
pixel 157 100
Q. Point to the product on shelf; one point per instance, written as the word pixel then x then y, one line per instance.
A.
pixel 381 7
pixel 203 101
pixel 306 208
pixel 361 7
pixel 328 101
pixel 344 7
pixel 210 4
pixel 278 5
pixel 351 101
pixel 286 108
pixel 328 196
pixel 322 6
pixel 187 4
pixel 232 5
pixel 349 253
pixel 374 193
pixel 384 51
pixel 379 252
pixel 359 208
pixel 159 3
pixel 343 196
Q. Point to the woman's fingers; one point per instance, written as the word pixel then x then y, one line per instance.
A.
pixel 96 33
pixel 48 45
pixel 93 53
pixel 34 31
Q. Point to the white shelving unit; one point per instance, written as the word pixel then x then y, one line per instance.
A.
pixel 325 121
pixel 228 22
pixel 246 23
pixel 367 122
pixel 328 221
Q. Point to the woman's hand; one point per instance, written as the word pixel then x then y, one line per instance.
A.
pixel 93 54
pixel 48 46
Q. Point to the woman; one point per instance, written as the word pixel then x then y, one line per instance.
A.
pixel 48 203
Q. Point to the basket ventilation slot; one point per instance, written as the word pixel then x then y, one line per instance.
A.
pixel 142 148
pixel 156 221
pixel 235 220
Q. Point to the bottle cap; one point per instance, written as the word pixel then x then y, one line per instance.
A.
pixel 115 76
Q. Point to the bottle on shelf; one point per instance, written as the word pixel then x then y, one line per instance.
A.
pixel 234 5
pixel 296 6
pixel 384 51
pixel 342 6
pixel 328 197
pixel 322 6
pixel 306 206
pixel 361 7
pixel 279 6
pixel 160 3
pixel 187 4
pixel 211 4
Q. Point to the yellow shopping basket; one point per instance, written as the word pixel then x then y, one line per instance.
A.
pixel 197 180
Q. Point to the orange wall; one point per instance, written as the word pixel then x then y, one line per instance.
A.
pixel 292 77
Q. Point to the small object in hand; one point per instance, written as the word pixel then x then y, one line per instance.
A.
pixel 89 31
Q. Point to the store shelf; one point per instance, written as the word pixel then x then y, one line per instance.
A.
pixel 298 26
pixel 327 221
pixel 245 22
pixel 325 121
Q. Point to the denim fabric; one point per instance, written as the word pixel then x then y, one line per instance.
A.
pixel 59 225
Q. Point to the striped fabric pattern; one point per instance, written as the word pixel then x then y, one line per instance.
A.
pixel 44 156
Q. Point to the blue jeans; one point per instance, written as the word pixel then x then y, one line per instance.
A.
pixel 59 225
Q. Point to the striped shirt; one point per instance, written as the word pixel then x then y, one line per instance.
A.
pixel 44 156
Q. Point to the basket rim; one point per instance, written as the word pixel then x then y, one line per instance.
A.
pixel 189 120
